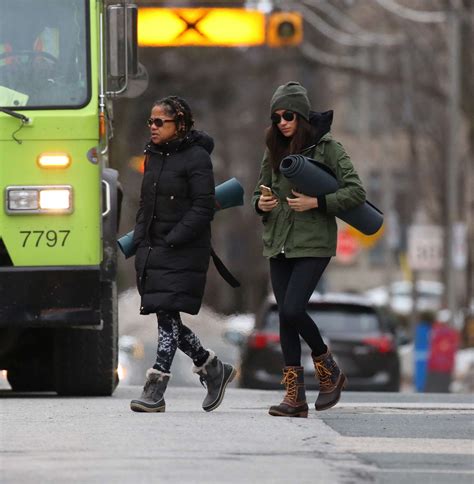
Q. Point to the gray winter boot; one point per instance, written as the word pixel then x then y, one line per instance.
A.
pixel 152 398
pixel 215 376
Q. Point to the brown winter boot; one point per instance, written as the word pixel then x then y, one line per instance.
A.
pixel 331 381
pixel 294 404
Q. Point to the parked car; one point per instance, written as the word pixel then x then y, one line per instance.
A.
pixel 398 296
pixel 359 335
pixel 237 327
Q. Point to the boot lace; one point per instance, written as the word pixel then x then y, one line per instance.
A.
pixel 324 374
pixel 203 381
pixel 289 380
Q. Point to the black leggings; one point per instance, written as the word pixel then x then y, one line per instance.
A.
pixel 173 334
pixel 293 281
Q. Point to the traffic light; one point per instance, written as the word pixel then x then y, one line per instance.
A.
pixel 284 29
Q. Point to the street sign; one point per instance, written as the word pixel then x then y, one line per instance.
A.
pixel 366 241
pixel 219 27
pixel 224 27
pixel 347 246
pixel 425 247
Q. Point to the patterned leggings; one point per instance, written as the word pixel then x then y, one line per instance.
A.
pixel 173 334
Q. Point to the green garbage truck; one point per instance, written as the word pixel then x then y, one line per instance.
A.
pixel 62 62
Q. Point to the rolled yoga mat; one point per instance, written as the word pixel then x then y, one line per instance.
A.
pixel 228 194
pixel 314 178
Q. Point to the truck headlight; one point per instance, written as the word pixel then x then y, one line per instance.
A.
pixel 59 199
pixel 39 199
pixel 22 199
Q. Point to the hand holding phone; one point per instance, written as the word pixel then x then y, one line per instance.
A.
pixel 267 201
pixel 266 191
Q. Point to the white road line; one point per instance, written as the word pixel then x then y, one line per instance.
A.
pixel 408 405
pixel 366 445
pixel 410 470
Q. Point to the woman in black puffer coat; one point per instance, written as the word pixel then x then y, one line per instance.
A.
pixel 172 236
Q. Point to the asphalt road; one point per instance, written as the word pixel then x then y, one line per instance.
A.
pixel 379 438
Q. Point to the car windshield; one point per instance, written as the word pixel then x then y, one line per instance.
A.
pixel 334 318
pixel 43 53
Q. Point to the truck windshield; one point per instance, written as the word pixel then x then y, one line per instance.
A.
pixel 43 54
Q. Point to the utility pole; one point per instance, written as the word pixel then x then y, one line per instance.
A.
pixel 452 166
pixel 452 17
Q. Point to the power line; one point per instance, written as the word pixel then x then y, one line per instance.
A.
pixel 347 23
pixel 360 40
pixel 335 14
pixel 411 14
pixel 330 60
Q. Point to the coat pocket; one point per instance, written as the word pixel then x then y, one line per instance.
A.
pixel 141 260
pixel 310 230
pixel 268 220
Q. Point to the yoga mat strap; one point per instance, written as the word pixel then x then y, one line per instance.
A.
pixel 223 271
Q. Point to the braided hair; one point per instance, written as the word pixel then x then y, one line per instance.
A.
pixel 179 109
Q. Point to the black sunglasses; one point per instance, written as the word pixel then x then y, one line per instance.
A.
pixel 287 116
pixel 158 122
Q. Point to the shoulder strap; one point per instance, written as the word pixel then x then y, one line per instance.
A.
pixel 223 271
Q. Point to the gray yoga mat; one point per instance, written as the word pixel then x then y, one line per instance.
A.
pixel 314 178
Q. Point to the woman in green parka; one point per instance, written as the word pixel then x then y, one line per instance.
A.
pixel 299 238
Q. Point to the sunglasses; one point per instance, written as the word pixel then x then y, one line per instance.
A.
pixel 158 122
pixel 287 116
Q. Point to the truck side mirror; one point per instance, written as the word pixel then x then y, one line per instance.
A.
pixel 122 45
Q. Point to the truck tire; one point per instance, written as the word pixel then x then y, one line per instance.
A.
pixel 34 375
pixel 87 359
pixel 31 370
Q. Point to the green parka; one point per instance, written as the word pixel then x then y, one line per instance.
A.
pixel 312 233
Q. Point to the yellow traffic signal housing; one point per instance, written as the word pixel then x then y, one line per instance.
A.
pixel 284 29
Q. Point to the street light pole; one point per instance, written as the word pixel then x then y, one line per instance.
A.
pixel 452 165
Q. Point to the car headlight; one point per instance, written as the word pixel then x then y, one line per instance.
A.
pixel 39 199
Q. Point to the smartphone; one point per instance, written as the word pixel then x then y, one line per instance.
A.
pixel 266 191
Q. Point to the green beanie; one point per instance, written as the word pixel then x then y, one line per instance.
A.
pixel 291 96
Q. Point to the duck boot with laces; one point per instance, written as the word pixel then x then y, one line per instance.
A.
pixel 152 398
pixel 214 376
pixel 331 381
pixel 294 403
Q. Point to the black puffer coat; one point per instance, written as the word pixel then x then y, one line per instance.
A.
pixel 173 225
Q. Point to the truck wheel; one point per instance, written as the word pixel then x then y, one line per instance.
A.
pixel 34 375
pixel 86 360
pixel 32 368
